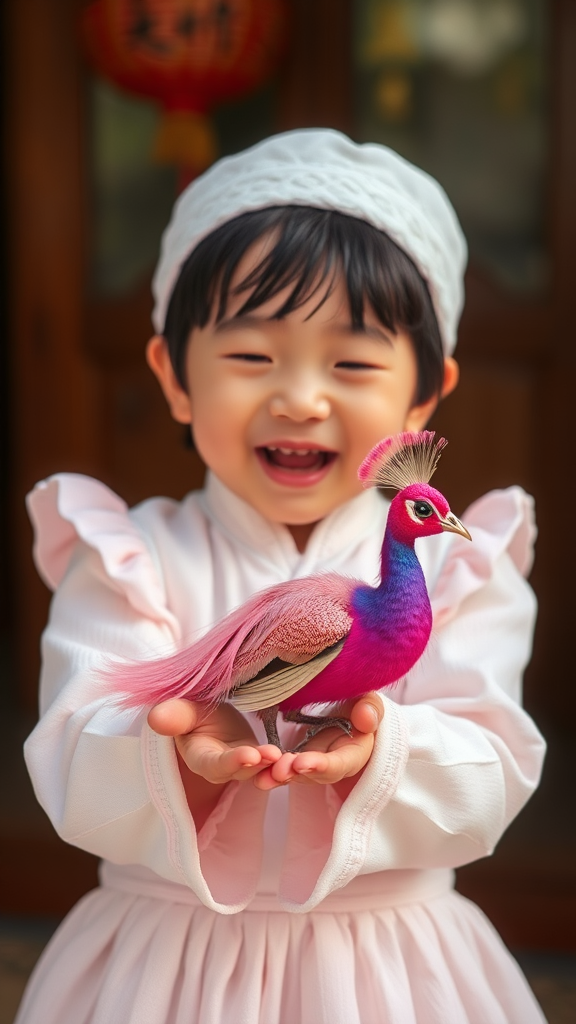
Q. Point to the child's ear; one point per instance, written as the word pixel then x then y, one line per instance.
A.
pixel 451 376
pixel 419 415
pixel 158 359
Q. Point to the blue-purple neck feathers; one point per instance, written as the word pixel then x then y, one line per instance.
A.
pixel 400 601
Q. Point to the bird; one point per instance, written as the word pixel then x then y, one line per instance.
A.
pixel 326 638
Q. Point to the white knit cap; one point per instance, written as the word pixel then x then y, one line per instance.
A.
pixel 324 169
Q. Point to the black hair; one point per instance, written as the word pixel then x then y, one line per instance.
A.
pixel 311 246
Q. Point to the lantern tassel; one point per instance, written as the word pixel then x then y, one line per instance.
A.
pixel 187 139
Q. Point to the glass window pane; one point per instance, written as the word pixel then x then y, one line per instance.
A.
pixel 459 88
pixel 132 196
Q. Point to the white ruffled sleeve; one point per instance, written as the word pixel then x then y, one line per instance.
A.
pixel 456 757
pixel 110 784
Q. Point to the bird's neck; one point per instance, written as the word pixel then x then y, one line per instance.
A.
pixel 398 559
pixel 401 599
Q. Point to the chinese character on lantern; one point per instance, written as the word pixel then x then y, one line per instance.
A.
pixel 188 55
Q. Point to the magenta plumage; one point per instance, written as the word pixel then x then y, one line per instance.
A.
pixel 324 638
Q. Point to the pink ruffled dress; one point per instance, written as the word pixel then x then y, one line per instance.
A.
pixel 293 908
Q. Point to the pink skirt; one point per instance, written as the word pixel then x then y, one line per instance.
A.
pixel 134 953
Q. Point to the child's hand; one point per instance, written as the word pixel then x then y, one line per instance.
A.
pixel 331 757
pixel 218 746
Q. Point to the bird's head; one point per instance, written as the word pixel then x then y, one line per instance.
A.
pixel 406 462
pixel 421 511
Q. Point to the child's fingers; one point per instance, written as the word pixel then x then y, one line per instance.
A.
pixel 324 767
pixel 237 763
pixel 343 761
pixel 215 762
pixel 269 752
pixel 276 774
pixel 367 713
pixel 330 767
pixel 173 717
pixel 218 763
pixel 330 756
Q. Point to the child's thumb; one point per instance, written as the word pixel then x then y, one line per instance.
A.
pixel 173 717
pixel 367 713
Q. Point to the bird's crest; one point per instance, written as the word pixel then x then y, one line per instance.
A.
pixel 401 460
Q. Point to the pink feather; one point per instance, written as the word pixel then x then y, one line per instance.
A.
pixel 402 459
pixel 367 468
pixel 347 636
pixel 292 621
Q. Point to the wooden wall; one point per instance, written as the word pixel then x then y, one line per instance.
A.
pixel 82 399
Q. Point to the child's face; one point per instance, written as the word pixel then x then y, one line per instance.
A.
pixel 284 411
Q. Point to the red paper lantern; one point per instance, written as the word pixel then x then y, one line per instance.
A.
pixel 189 55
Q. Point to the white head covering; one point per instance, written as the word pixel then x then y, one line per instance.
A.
pixel 322 168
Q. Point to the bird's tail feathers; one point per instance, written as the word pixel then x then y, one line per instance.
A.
pixel 207 669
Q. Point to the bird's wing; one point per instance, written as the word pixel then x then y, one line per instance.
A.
pixel 294 621
pixel 296 627
pixel 267 690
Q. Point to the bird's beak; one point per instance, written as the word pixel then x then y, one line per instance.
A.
pixel 453 525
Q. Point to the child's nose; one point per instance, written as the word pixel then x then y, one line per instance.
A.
pixel 299 399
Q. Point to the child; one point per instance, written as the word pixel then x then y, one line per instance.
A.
pixel 307 300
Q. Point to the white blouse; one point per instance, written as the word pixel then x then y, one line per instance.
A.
pixel 455 758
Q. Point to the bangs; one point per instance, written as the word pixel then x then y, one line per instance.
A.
pixel 311 250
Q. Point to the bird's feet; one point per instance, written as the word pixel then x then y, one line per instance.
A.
pixel 316 723
pixel 268 717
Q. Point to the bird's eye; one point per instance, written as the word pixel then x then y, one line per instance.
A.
pixel 423 510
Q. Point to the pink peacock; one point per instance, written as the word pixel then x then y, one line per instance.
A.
pixel 326 638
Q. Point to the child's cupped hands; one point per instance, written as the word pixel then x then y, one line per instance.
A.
pixel 331 757
pixel 220 746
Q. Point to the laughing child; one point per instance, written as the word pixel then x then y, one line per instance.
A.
pixel 307 301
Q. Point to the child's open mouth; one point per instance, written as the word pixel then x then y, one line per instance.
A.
pixel 299 466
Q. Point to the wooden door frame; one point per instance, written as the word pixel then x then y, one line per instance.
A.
pixel 56 372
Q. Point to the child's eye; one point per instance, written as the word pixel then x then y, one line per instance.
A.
pixel 249 357
pixel 355 366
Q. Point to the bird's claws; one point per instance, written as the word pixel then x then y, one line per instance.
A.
pixel 325 723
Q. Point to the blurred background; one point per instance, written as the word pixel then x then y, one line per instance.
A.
pixel 110 108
